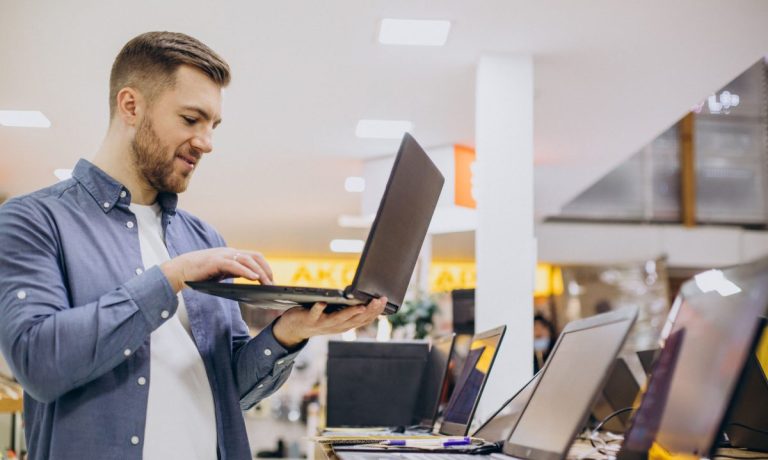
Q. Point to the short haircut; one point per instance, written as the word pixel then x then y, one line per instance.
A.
pixel 149 63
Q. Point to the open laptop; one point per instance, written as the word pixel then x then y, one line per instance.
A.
pixel 712 329
pixel 466 394
pixel 433 382
pixel 575 373
pixel 464 399
pixel 554 406
pixel 747 425
pixel 390 252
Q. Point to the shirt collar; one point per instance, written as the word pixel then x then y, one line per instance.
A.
pixel 108 192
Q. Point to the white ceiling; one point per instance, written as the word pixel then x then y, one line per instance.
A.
pixel 609 76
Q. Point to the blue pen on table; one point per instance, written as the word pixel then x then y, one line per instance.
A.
pixel 438 442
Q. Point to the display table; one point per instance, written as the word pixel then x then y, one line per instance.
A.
pixel 579 449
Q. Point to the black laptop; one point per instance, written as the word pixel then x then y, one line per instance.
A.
pixel 390 252
pixel 714 329
pixel 461 406
pixel 433 384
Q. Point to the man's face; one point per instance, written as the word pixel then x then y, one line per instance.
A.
pixel 177 130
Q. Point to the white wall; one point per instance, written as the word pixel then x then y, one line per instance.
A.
pixel 704 246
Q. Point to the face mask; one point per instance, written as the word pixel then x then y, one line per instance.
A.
pixel 541 344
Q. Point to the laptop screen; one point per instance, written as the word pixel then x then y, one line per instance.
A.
pixel 571 379
pixel 433 381
pixel 469 385
pixel 712 330
pixel 401 223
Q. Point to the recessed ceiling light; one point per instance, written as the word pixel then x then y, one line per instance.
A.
pixel 382 129
pixel 347 245
pixel 348 221
pixel 416 32
pixel 354 184
pixel 62 174
pixel 24 119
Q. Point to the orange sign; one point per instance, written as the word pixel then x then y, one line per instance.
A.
pixel 464 164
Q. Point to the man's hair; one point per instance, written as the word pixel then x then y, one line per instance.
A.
pixel 149 62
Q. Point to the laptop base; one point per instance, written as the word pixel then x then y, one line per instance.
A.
pixel 277 297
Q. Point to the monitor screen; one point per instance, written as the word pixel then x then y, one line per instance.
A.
pixel 463 301
pixel 570 381
pixel 433 381
pixel 469 384
pixel 711 331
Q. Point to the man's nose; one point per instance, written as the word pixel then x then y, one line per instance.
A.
pixel 203 142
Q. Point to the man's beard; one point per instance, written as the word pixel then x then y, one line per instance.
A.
pixel 152 162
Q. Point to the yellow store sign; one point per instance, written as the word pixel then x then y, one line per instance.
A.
pixel 443 276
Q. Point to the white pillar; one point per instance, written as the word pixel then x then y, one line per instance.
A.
pixel 505 244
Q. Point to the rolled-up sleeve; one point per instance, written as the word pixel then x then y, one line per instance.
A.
pixel 51 345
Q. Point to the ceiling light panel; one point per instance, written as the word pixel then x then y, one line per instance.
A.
pixel 24 119
pixel 347 246
pixel 354 184
pixel 62 174
pixel 414 32
pixel 382 129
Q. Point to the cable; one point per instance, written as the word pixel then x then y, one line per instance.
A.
pixel 739 457
pixel 756 430
pixel 613 414
pixel 603 422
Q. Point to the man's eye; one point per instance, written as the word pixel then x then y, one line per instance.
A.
pixel 189 120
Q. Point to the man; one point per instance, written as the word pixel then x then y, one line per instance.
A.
pixel 117 361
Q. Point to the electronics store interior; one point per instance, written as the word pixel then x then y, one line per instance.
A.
pixel 559 208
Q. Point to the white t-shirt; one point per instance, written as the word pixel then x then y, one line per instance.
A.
pixel 181 420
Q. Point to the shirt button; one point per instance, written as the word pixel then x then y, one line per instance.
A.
pixel 134 440
pixel 127 352
pixel 139 271
pixel 261 385
pixel 267 352
pixel 21 295
pixel 164 314
pixel 122 194
pixel 106 204
pixel 142 381
pixel 129 224
pixel 280 362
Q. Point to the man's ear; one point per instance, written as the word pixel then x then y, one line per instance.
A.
pixel 130 104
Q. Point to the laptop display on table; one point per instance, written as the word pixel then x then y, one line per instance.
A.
pixel 464 399
pixel 433 382
pixel 712 329
pixel 390 251
pixel 550 410
pixel 570 382
pixel 469 386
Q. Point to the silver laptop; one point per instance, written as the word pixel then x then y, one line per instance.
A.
pixel 561 396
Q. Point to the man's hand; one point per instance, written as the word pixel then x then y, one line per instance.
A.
pixel 216 263
pixel 298 324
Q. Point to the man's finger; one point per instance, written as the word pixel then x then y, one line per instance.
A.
pixel 316 312
pixel 248 261
pixel 346 314
pixel 236 269
pixel 259 259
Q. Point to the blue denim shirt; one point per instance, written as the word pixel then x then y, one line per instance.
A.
pixel 77 311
